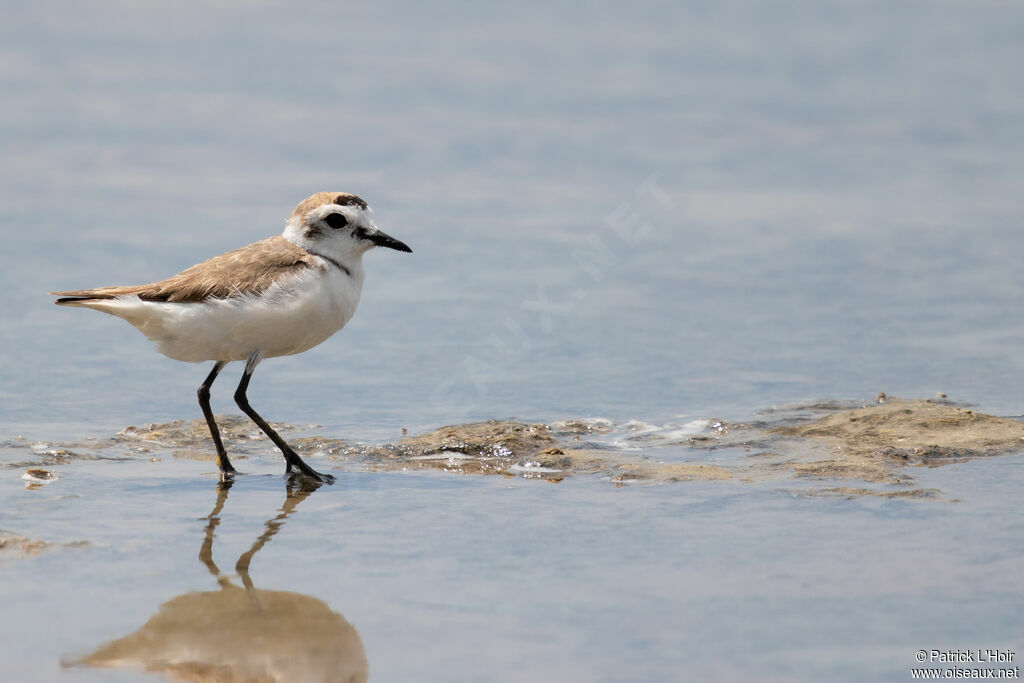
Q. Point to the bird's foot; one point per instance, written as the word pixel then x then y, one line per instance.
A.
pixel 296 466
pixel 321 477
pixel 309 477
pixel 229 475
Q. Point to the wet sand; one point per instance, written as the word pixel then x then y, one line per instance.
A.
pixel 872 442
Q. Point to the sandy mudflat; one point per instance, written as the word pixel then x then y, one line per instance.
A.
pixel 853 448
pixel 877 442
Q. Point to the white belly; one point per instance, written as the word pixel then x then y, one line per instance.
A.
pixel 290 317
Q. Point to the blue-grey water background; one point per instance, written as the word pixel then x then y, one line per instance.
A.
pixel 660 211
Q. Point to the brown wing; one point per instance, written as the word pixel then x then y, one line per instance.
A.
pixel 249 270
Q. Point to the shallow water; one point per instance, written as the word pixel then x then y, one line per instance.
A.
pixel 682 212
pixel 132 554
pixel 469 578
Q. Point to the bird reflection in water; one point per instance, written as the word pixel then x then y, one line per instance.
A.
pixel 242 633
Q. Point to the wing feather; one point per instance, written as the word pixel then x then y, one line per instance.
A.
pixel 248 270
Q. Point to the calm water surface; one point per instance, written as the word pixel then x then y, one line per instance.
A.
pixel 683 210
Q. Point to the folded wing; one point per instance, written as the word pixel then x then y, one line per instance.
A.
pixel 249 270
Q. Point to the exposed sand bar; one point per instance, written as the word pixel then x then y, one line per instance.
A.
pixel 845 445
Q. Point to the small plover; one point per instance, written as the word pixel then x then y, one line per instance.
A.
pixel 276 297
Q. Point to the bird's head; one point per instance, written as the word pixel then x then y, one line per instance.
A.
pixel 337 224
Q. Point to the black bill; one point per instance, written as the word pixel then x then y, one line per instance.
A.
pixel 384 240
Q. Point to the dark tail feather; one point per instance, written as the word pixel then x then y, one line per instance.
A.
pixel 77 296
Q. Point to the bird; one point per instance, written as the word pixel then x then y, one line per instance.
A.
pixel 276 297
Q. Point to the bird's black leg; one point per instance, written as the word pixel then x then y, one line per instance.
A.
pixel 204 403
pixel 290 456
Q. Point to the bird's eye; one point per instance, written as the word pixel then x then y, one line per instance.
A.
pixel 336 221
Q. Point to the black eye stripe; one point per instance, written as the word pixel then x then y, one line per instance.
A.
pixel 336 221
